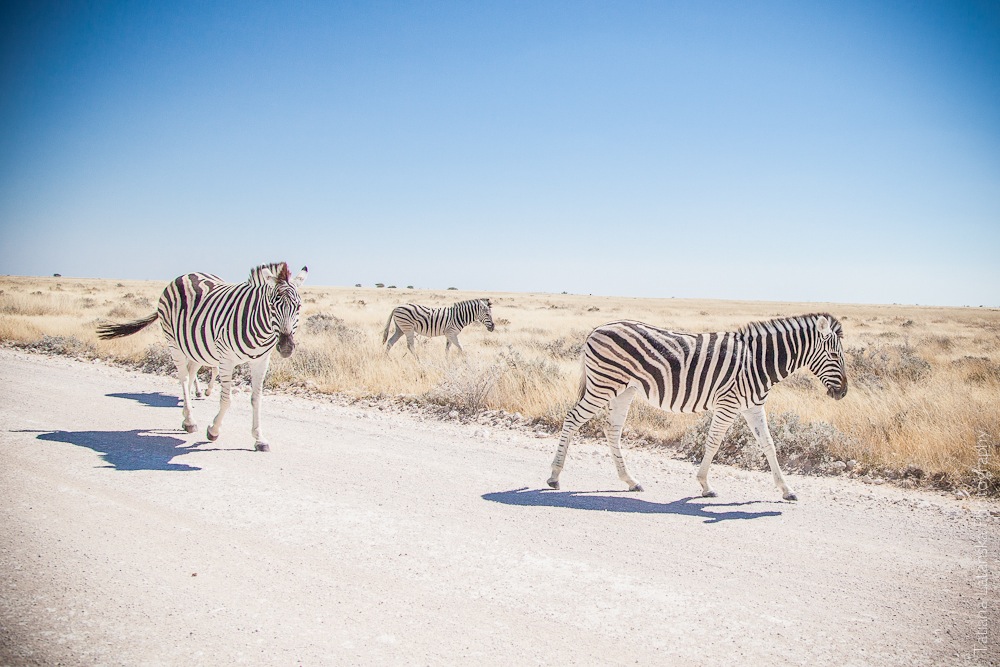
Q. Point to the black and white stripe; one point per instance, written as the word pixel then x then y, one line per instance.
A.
pixel 413 319
pixel 730 373
pixel 208 322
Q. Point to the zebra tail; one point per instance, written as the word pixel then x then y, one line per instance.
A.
pixel 385 332
pixel 106 331
pixel 583 378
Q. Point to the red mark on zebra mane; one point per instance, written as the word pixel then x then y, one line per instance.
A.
pixel 283 272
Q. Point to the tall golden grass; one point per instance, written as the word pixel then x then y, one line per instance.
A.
pixel 924 381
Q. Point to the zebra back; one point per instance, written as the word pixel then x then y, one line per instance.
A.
pixel 685 372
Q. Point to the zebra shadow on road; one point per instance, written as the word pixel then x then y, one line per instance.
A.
pixel 153 399
pixel 625 501
pixel 138 449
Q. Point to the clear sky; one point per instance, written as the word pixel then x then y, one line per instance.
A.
pixel 801 151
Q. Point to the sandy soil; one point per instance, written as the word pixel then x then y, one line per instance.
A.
pixel 370 537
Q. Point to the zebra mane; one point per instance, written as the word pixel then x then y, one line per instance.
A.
pixel 279 269
pixel 471 301
pixel 792 322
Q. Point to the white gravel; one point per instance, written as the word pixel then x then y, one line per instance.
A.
pixel 373 537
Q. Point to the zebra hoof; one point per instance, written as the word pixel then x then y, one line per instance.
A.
pixel 709 494
pixel 637 488
pixel 189 427
pixel 554 483
pixel 790 496
pixel 262 447
pixel 198 395
pixel 211 438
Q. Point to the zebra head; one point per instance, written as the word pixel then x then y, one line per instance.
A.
pixel 285 304
pixel 827 358
pixel 485 314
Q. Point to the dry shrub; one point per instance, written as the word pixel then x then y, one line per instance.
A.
pixel 534 386
pixel 70 346
pixel 307 365
pixel 467 387
pixel 35 304
pixel 801 446
pixel 977 370
pixel 565 347
pixel 331 325
pixel 880 365
pixel 157 360
pixel 130 306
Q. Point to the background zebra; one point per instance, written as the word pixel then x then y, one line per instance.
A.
pixel 208 322
pixel 430 322
pixel 730 373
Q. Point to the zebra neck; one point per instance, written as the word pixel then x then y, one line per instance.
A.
pixel 776 353
pixel 260 320
pixel 462 317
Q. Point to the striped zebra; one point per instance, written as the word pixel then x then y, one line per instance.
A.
pixel 208 322
pixel 730 373
pixel 414 319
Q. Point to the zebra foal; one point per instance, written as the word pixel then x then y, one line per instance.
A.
pixel 729 373
pixel 208 322
pixel 413 319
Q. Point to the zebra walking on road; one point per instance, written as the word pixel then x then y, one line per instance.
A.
pixel 415 319
pixel 208 322
pixel 730 373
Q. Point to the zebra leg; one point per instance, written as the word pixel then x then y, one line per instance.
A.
pixel 409 343
pixel 258 369
pixel 721 421
pixel 212 371
pixel 619 406
pixel 396 335
pixel 757 421
pixel 182 374
pixel 452 339
pixel 577 417
pixel 225 388
pixel 192 369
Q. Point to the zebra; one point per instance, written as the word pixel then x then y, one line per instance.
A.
pixel 208 322
pixel 430 322
pixel 729 373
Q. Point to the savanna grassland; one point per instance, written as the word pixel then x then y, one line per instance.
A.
pixel 923 407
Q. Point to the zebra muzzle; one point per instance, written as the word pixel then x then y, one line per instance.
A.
pixel 838 392
pixel 286 345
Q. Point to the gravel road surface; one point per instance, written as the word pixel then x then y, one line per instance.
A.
pixel 377 537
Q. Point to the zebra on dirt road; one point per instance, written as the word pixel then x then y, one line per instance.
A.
pixel 729 373
pixel 208 322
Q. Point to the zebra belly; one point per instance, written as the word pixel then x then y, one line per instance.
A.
pixel 682 403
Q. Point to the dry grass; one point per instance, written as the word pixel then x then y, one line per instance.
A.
pixel 922 407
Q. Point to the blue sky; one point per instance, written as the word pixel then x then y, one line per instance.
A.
pixel 791 151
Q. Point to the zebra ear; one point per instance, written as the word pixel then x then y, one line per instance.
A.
pixel 301 277
pixel 269 278
pixel 823 324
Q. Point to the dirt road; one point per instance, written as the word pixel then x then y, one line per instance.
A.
pixel 367 537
